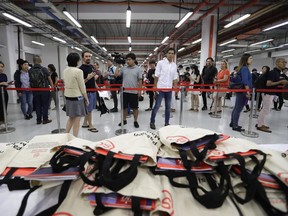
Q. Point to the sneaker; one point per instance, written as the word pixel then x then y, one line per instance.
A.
pixel 166 124
pixel 264 129
pixel 124 123
pixel 204 108
pixel 30 116
pixel 114 110
pixel 173 110
pixel 27 117
pixel 47 121
pixel 149 109
pixel 136 125
pixel 248 110
pixel 238 128
pixel 39 122
pixel 152 126
pixel 262 126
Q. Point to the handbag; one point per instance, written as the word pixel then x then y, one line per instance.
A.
pixel 236 82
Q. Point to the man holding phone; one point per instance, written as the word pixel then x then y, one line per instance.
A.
pixel 89 78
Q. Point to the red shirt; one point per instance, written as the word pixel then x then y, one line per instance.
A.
pixel 220 76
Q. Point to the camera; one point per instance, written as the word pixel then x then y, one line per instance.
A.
pixel 119 58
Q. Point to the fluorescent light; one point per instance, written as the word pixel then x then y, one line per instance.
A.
pixel 130 49
pixel 181 49
pixel 129 39
pixel 104 49
pixel 150 54
pixel 197 41
pixel 165 39
pixel 58 39
pixel 271 48
pixel 282 45
pixel 230 50
pixel 252 51
pixel 227 56
pixel 96 57
pixel 227 42
pixel 128 17
pixel 254 44
pixel 237 20
pixel 38 43
pixel 183 19
pixel 78 49
pixel 17 20
pixel 156 48
pixel 71 18
pixel 199 51
pixel 276 26
pixel 94 39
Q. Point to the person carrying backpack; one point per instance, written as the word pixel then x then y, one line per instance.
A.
pixel 273 80
pixel 40 78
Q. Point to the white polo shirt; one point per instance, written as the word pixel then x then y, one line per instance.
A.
pixel 166 72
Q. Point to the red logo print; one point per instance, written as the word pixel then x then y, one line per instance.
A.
pixel 167 201
pixel 178 139
pixel 283 175
pixel 106 144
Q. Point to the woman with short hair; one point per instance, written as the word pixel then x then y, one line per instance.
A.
pixel 75 93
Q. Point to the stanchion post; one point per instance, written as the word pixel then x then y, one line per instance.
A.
pixel 59 129
pixel 251 133
pixel 215 115
pixel 257 103
pixel 122 130
pixel 6 129
pixel 181 104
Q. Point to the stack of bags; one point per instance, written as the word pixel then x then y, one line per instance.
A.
pixel 175 171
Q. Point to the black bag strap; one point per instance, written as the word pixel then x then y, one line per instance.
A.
pixel 100 208
pixel 136 206
pixel 22 208
pixel 113 179
pixel 15 183
pixel 62 195
pixel 8 176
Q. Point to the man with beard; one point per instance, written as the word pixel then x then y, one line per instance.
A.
pixel 89 78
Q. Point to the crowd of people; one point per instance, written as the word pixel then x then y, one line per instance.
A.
pixel 81 81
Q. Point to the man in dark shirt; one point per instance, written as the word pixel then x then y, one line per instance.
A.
pixel 90 82
pixel 208 74
pixel 150 77
pixel 273 81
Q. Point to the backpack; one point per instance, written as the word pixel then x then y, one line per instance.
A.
pixel 37 78
pixel 260 82
pixel 236 82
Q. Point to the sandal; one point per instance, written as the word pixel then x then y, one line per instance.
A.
pixel 191 109
pixel 85 126
pixel 94 130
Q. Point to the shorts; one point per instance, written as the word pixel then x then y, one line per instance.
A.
pixel 131 100
pixel 220 94
pixel 92 101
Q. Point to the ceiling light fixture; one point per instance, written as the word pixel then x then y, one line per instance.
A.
pixel 38 43
pixel 252 51
pixel 227 42
pixel 59 39
pixel 276 26
pixel 227 56
pixel 156 48
pixel 165 39
pixel 129 39
pixel 71 18
pixel 261 42
pixel 130 49
pixel 17 19
pixel 96 57
pixel 230 50
pixel 187 15
pixel 104 49
pixel 78 49
pixel 94 39
pixel 237 20
pixel 150 54
pixel 181 49
pixel 128 17
pixel 197 41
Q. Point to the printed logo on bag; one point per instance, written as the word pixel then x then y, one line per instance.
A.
pixel 106 144
pixel 62 214
pixel 167 201
pixel 17 145
pixel 178 139
pixel 36 152
pixel 215 152
pixel 283 175
pixel 150 135
pixel 126 199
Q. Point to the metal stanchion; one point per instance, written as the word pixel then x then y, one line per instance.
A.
pixel 122 130
pixel 216 115
pixel 59 129
pixel 255 115
pixel 6 129
pixel 181 104
pixel 250 133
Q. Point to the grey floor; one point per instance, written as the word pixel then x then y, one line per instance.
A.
pixel 107 124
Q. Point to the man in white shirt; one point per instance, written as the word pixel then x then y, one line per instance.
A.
pixel 166 77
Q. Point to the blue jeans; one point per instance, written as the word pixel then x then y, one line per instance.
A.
pixel 27 99
pixel 41 99
pixel 167 96
pixel 238 107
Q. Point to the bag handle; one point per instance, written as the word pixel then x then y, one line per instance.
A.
pixel 100 208
pixel 114 180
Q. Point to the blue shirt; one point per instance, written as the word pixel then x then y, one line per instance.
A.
pixel 246 76
pixel 24 78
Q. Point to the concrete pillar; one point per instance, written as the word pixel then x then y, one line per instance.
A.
pixel 209 39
